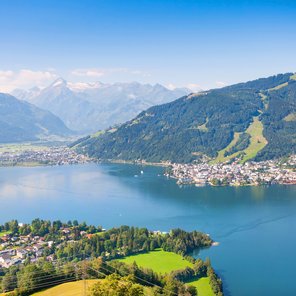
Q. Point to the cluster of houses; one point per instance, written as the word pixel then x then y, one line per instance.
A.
pixel 15 249
pixel 236 174
pixel 48 156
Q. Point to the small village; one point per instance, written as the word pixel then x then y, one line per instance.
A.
pixel 17 249
pixel 49 156
pixel 236 174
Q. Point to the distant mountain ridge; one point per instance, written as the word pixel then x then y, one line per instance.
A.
pixel 94 106
pixel 252 120
pixel 21 121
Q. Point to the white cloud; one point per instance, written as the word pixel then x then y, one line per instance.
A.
pixel 4 75
pixel 97 72
pixel 88 72
pixel 24 78
pixel 220 84
pixel 171 86
pixel 194 87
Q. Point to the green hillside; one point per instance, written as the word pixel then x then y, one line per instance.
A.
pixel 253 120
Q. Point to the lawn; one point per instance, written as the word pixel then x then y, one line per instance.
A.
pixel 160 261
pixel 164 262
pixel 203 127
pixel 203 286
pixel 279 86
pixel 290 117
pixel 13 148
pixel 264 100
pixel 257 143
pixel 2 233
pixel 68 289
pixel 221 157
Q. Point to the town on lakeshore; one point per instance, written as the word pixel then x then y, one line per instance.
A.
pixel 236 174
pixel 15 248
pixel 30 156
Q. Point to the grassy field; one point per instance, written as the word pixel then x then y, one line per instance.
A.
pixel 68 289
pixel 19 147
pixel 2 233
pixel 203 286
pixel 279 86
pixel 265 102
pixel 290 117
pixel 221 157
pixel 75 289
pixel 257 143
pixel 203 127
pixel 159 261
pixel 165 262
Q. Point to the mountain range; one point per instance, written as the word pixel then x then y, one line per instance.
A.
pixel 87 107
pixel 252 120
pixel 22 121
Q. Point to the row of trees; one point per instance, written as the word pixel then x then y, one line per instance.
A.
pixel 124 241
pixel 46 228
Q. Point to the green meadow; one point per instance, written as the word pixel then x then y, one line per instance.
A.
pixel 160 261
pixel 165 262
pixel 257 143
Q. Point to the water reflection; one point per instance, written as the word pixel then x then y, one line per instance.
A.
pixel 252 224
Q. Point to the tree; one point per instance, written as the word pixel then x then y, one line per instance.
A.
pixel 114 285
pixel 9 282
pixel 28 278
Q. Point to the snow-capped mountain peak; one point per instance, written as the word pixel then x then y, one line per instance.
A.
pixel 59 82
pixel 96 105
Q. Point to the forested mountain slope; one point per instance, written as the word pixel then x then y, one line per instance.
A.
pixel 253 120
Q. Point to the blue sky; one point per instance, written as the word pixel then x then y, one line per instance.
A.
pixel 173 42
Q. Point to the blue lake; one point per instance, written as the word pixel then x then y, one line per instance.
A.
pixel 254 225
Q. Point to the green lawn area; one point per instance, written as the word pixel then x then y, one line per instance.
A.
pixel 203 127
pixel 74 288
pixel 68 289
pixel 279 86
pixel 221 157
pixel 257 143
pixel 203 286
pixel 97 134
pixel 19 147
pixel 265 102
pixel 2 233
pixel 160 261
pixel 164 262
pixel 290 117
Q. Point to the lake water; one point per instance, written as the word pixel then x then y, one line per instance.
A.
pixel 255 226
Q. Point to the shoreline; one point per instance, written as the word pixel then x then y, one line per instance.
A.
pixel 135 162
pixel 180 180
